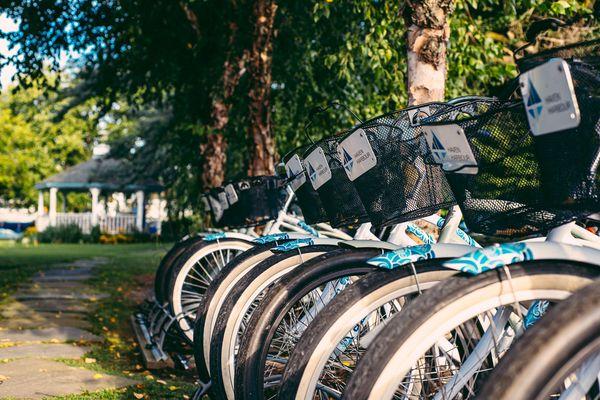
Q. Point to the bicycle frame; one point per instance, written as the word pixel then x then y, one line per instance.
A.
pixel 568 242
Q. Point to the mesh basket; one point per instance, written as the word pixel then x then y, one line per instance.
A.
pixel 524 184
pixel 259 200
pixel 585 52
pixel 401 187
pixel 308 199
pixel 338 195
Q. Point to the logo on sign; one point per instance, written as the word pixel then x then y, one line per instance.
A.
pixel 348 161
pixel 438 150
pixel 312 174
pixel 534 102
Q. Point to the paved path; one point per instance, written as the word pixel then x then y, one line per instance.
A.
pixel 45 321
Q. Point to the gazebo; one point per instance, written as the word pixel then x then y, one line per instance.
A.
pixel 101 176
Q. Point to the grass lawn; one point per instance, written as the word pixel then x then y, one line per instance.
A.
pixel 125 278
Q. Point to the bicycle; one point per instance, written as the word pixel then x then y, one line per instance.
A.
pixel 317 282
pixel 411 355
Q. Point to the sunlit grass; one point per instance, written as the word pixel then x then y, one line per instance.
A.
pixel 129 269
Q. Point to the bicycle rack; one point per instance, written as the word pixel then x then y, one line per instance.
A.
pixel 151 327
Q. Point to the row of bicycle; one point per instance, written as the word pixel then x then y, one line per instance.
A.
pixel 369 293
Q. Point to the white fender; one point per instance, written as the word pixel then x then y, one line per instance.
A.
pixel 368 244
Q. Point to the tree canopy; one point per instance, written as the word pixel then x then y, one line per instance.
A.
pixel 33 145
pixel 182 66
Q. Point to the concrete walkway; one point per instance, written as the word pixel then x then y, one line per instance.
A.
pixel 47 320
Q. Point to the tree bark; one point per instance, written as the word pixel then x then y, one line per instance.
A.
pixel 427 39
pixel 214 147
pixel 262 143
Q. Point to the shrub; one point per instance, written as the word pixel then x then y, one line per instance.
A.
pixel 61 234
pixel 95 233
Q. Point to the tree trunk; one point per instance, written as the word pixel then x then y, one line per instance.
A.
pixel 214 148
pixel 262 144
pixel 427 38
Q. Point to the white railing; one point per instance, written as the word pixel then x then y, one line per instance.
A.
pixel 82 220
pixel 120 223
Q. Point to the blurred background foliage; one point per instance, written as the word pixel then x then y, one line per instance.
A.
pixel 143 75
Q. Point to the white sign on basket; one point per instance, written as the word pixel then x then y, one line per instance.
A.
pixel 223 200
pixel 294 168
pixel 356 154
pixel 232 196
pixel 549 98
pixel 450 148
pixel 317 168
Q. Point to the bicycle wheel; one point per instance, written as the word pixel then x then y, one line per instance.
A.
pixel 239 306
pixel 217 292
pixel 330 348
pixel 285 313
pixel 161 278
pixel 551 358
pixel 192 274
pixel 435 348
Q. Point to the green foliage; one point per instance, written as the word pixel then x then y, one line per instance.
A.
pixel 163 68
pixel 95 234
pixel 33 145
pixel 73 234
pixel 61 234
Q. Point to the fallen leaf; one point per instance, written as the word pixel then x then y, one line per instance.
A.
pixel 138 395
pixel 90 360
pixel 97 376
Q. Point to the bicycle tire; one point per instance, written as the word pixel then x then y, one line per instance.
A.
pixel 161 277
pixel 347 309
pixel 262 326
pixel 193 255
pixel 406 338
pixel 532 367
pixel 239 301
pixel 214 298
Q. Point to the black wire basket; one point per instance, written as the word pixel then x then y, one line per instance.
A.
pixel 587 52
pixel 307 198
pixel 524 184
pixel 401 186
pixel 256 201
pixel 338 195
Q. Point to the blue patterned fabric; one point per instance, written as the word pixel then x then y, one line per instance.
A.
pixel 214 236
pixel 271 238
pixel 308 228
pixel 403 256
pixel 293 244
pixel 422 235
pixel 491 257
pixel 536 311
